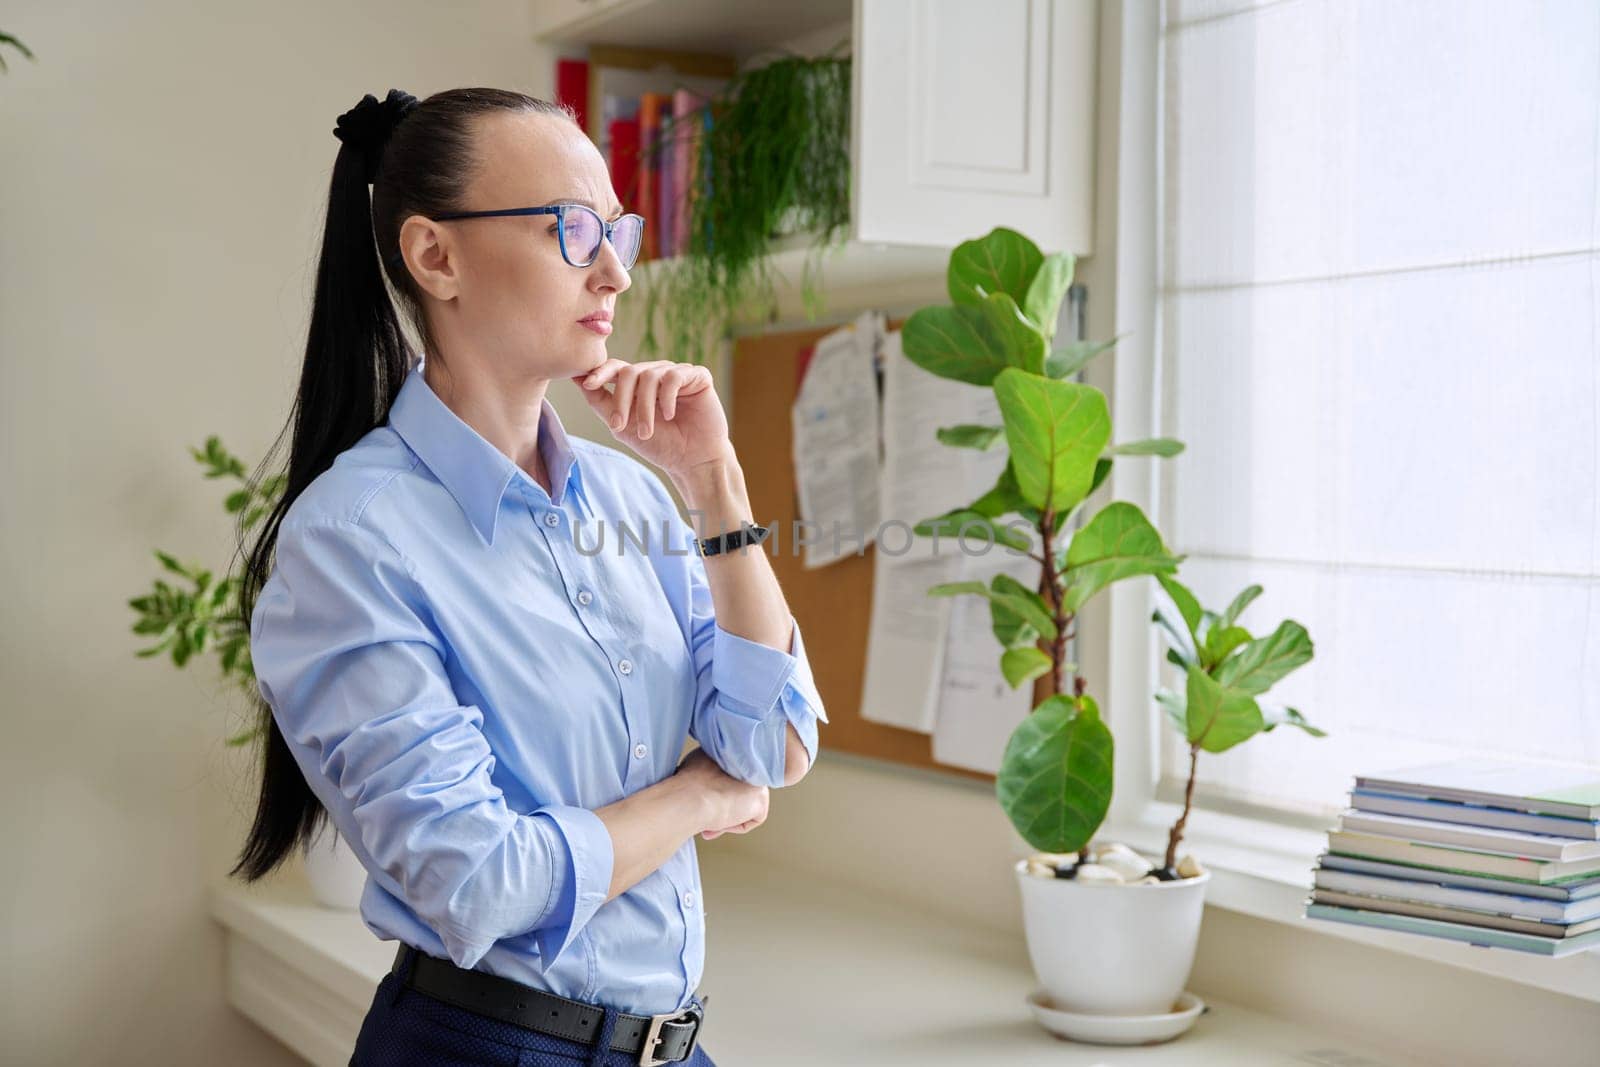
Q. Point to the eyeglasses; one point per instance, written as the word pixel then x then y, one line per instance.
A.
pixel 581 230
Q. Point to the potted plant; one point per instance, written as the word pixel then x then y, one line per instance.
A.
pixel 206 616
pixel 773 160
pixel 1109 931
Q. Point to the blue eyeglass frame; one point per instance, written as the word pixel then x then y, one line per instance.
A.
pixel 560 211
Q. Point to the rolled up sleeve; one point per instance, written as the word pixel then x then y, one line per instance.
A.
pixel 746 693
pixel 355 675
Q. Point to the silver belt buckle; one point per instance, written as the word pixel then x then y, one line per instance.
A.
pixel 652 1037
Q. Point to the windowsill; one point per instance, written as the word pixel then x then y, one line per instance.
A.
pixel 1270 878
pixel 797 971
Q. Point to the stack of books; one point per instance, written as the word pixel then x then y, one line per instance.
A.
pixel 1491 853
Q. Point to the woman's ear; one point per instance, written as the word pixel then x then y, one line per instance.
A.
pixel 426 249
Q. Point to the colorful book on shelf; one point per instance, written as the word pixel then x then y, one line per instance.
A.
pixel 1480 838
pixel 1509 903
pixel 686 143
pixel 652 106
pixel 622 139
pixel 1570 792
pixel 1475 815
pixel 1440 857
pixel 1580 889
pixel 1476 935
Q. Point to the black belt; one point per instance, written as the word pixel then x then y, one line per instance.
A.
pixel 666 1038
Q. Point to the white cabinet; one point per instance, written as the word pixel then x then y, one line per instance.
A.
pixel 967 114
pixel 970 115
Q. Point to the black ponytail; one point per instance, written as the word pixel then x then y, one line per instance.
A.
pixel 356 359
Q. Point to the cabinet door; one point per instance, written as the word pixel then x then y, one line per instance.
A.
pixel 974 115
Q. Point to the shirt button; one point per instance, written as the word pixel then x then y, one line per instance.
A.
pixel 639 750
pixel 625 666
pixel 552 519
pixel 585 596
pixel 688 898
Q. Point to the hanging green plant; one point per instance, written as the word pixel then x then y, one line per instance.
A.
pixel 774 159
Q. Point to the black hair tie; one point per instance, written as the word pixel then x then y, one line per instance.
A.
pixel 369 124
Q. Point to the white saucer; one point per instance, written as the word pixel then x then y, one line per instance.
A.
pixel 1117 1029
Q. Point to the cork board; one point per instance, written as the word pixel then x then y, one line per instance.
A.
pixel 832 604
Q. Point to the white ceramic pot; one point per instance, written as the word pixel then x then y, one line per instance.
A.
pixel 336 875
pixel 1111 949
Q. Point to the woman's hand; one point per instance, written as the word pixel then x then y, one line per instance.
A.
pixel 732 806
pixel 669 413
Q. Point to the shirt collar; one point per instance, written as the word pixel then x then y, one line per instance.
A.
pixel 474 471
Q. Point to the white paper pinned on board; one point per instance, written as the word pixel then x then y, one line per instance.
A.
pixel 835 418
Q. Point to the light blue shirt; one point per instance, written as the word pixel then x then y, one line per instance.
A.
pixel 465 667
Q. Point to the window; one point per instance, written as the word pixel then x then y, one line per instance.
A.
pixel 1379 305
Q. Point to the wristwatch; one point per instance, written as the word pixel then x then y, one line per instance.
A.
pixel 747 534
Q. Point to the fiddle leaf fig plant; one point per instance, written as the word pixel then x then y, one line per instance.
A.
pixel 1055 778
pixel 186 622
pixel 1226 671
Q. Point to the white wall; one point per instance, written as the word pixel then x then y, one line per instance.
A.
pixel 163 170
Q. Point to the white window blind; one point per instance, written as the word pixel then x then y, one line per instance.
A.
pixel 1379 309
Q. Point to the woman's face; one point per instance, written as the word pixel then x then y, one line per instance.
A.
pixel 504 292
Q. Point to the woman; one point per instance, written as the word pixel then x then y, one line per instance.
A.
pixel 461 662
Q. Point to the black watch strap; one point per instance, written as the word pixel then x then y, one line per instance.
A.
pixel 746 534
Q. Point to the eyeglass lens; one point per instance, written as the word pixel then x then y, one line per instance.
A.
pixel 583 234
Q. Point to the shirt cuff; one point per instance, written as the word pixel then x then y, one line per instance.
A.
pixel 581 860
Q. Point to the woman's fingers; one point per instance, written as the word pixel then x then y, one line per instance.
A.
pixel 645 394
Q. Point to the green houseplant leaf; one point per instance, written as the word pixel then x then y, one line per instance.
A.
pixel 973 342
pixel 1259 664
pixel 1055 776
pixel 1001 261
pixel 1023 665
pixel 1042 304
pixel 1217 717
pixel 969 436
pixel 1117 543
pixel 1056 432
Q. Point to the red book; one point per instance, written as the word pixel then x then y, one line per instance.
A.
pixel 624 162
pixel 651 107
pixel 572 87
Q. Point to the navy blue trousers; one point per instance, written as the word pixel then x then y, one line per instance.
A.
pixel 405 1028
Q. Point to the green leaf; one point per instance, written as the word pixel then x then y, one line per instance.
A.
pixel 1117 543
pixel 237 501
pixel 1071 358
pixel 1173 704
pixel 1259 664
pixel 1001 261
pixel 1217 717
pixel 1055 775
pixel 1181 650
pixel 1240 602
pixel 969 436
pixel 156 625
pixel 1023 665
pixel 1056 432
pixel 1102 469
pixel 1042 304
pixel 171 563
pixel 1166 447
pixel 973 343
pixel 952 523
pixel 1221 640
pixel 1185 601
pixel 1277 715
pixel 1024 603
